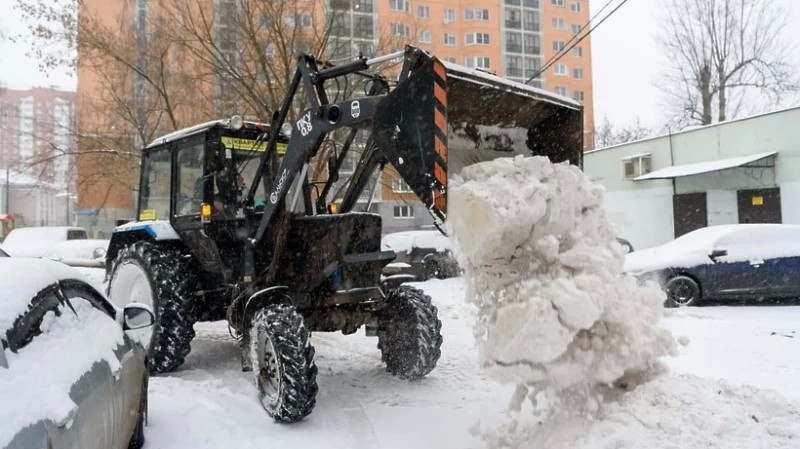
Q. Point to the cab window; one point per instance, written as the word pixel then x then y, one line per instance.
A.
pixel 156 186
pixel 190 180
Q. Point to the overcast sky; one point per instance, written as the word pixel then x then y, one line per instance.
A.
pixel 626 60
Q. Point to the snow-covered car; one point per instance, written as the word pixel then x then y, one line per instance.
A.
pixel 423 254
pixel 72 371
pixel 3 253
pixel 36 241
pixel 744 261
pixel 89 253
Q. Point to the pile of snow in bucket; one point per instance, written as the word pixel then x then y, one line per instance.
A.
pixel 557 317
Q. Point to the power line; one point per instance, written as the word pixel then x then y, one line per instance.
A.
pixel 575 36
pixel 560 54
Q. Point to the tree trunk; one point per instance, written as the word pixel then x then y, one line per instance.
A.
pixel 723 97
pixel 706 97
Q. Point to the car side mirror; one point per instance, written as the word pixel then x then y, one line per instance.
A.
pixel 98 253
pixel 717 253
pixel 137 316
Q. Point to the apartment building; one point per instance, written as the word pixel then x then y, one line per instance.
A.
pixel 36 129
pixel 511 38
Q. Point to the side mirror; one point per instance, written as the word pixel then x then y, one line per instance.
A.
pixel 137 316
pixel 717 253
pixel 332 172
pixel 98 253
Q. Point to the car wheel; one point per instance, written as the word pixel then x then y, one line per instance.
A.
pixel 682 291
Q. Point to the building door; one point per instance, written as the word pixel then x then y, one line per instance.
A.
pixel 690 212
pixel 759 205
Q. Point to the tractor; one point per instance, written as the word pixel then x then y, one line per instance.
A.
pixel 232 225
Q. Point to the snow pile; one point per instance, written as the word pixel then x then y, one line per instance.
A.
pixel 404 242
pixel 37 384
pixel 668 412
pixel 544 269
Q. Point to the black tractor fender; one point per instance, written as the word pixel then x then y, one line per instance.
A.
pixel 133 232
pixel 244 306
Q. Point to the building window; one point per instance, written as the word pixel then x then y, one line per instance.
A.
pixel 449 59
pixel 533 66
pixel 449 39
pixel 476 14
pixel 424 12
pixel 530 3
pixel 578 95
pixel 514 66
pixel 533 44
pixel 403 212
pixel 399 5
pixel 400 186
pixel 513 42
pixel 530 21
pixel 577 51
pixel 558 2
pixel 559 45
pixel 561 90
pixel 449 15
pixel 559 23
pixel 638 165
pixel 476 38
pixel 513 19
pixel 560 69
pixel 575 6
pixel 576 29
pixel 577 74
pixel 478 62
pixel 399 29
pixel 297 20
pixel 424 36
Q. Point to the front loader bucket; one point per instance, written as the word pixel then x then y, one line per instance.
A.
pixel 445 117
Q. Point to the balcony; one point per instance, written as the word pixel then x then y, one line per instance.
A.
pixel 530 3
pixel 530 72
pixel 515 24
pixel 531 26
pixel 513 48
pixel 512 2
pixel 533 50
pixel 513 71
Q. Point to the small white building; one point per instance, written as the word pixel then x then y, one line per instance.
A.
pixel 32 202
pixel 740 171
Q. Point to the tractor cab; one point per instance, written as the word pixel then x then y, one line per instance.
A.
pixel 209 167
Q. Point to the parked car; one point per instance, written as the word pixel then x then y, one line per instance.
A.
pixel 72 372
pixel 90 253
pixel 423 254
pixel 36 241
pixel 745 261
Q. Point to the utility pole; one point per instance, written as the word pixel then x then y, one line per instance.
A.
pixel 8 209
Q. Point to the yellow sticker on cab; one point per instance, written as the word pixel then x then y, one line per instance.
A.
pixel 147 214
pixel 235 143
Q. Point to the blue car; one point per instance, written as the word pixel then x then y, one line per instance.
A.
pixel 727 262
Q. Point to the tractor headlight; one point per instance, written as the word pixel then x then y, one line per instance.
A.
pixel 236 123
pixel 205 212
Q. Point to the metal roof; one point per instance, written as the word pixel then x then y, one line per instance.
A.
pixel 704 167
pixel 191 130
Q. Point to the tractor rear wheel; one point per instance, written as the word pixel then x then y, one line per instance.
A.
pixel 282 360
pixel 160 276
pixel 409 333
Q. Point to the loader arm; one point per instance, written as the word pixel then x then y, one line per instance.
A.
pixel 439 118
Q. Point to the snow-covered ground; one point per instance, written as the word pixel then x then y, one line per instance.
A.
pixel 210 403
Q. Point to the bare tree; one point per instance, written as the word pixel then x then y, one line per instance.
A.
pixel 607 134
pixel 724 54
pixel 188 61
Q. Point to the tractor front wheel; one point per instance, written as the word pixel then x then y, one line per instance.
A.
pixel 161 277
pixel 282 360
pixel 409 333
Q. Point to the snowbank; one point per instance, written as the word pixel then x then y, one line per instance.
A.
pixel 544 269
pixel 668 412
